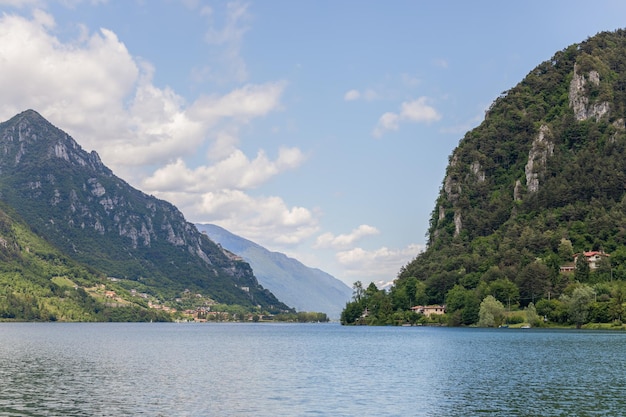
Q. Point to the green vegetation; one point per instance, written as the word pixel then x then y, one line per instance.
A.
pixel 539 181
pixel 38 283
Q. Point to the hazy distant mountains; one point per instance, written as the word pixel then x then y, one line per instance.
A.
pixel 301 287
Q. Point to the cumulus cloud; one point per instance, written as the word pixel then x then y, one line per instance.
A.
pixel 262 219
pixel 244 103
pixel 236 171
pixel 55 78
pixel 416 111
pixel 328 240
pixel 373 264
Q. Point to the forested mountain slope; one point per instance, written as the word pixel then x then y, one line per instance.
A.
pixel 541 179
pixel 70 198
pixel 38 282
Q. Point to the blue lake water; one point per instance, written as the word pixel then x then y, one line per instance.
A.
pixel 57 369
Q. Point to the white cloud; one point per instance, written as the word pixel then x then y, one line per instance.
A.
pixel 20 3
pixel 367 95
pixel 328 240
pixel 267 220
pixel 56 78
pixel 417 111
pixel 243 103
pixel 236 171
pixel 369 265
pixel 352 95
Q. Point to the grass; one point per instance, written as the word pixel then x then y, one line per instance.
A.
pixel 63 282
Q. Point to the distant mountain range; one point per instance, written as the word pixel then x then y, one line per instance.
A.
pixel 306 289
pixel 71 199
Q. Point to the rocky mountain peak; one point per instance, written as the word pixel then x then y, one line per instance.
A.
pixel 29 137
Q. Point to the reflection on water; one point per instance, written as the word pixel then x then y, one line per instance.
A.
pixel 306 370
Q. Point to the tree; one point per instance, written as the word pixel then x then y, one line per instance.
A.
pixel 491 312
pixel 532 282
pixel 603 271
pixel 463 305
pixel 504 291
pixel 566 251
pixel 578 304
pixel 531 315
pixel 357 291
pixel 352 312
pixel 617 302
pixel 581 274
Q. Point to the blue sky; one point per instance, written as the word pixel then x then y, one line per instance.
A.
pixel 321 129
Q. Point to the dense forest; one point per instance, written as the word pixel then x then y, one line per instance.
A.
pixel 540 181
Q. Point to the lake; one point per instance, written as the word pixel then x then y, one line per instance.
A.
pixel 167 369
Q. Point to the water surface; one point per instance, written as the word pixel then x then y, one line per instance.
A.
pixel 80 369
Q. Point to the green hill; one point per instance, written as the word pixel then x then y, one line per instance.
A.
pixel 541 179
pixel 38 282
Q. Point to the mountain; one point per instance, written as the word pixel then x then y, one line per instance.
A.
pixel 70 198
pixel 540 180
pixel 306 289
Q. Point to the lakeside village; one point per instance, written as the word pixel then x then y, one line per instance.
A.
pixel 435 313
pixel 194 307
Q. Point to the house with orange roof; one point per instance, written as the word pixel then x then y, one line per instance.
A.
pixel 434 309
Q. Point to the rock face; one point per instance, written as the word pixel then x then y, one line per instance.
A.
pixel 510 154
pixel 579 99
pixel 540 150
pixel 73 200
pixel 304 288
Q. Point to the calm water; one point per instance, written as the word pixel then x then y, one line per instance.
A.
pixel 307 370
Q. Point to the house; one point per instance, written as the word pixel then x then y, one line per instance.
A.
pixel 593 258
pixel 430 310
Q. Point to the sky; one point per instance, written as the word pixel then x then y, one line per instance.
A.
pixel 321 129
